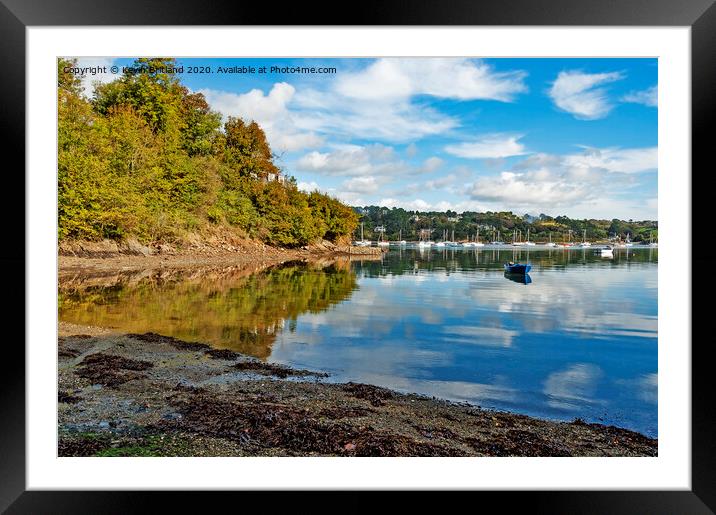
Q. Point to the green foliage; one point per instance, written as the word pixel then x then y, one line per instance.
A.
pixel 408 224
pixel 145 158
pixel 67 82
pixel 340 220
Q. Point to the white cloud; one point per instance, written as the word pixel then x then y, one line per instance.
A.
pixel 419 204
pixel 361 185
pixel 441 182
pixel 489 146
pixel 430 165
pixel 370 160
pixel 381 120
pixel 463 79
pixel 90 80
pixel 349 197
pixel 308 187
pixel 374 103
pixel 352 160
pixel 378 102
pixel 588 184
pixel 411 150
pixel 629 160
pixel 595 183
pixel 410 205
pixel 578 93
pixel 534 188
pixel 648 97
pixel 270 111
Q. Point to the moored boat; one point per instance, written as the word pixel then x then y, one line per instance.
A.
pixel 517 268
pixel 606 252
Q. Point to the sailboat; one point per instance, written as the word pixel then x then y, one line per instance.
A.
pixel 362 242
pixel 515 241
pixel 652 243
pixel 585 243
pixel 381 239
pixel 469 242
pixel 452 242
pixel 477 239
pixel 401 241
pixel 528 242
pixel 423 243
pixel 550 244
pixel 628 242
pixel 569 242
pixel 475 243
pixel 497 241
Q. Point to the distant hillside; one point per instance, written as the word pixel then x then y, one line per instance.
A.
pixel 148 160
pixel 398 222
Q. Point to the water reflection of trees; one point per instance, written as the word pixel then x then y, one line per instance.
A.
pixel 227 308
pixel 413 261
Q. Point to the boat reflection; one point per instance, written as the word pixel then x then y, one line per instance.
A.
pixel 518 278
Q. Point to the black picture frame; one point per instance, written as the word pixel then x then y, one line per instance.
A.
pixel 17 15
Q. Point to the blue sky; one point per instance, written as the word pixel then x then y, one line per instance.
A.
pixel 556 136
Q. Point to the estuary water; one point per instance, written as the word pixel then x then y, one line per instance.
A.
pixel 575 339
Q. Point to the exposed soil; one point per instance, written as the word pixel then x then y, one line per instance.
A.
pixel 100 258
pixel 151 395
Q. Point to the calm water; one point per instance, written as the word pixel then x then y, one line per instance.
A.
pixel 580 340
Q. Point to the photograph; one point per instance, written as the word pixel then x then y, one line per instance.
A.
pixel 358 257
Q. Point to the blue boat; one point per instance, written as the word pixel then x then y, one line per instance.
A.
pixel 517 268
pixel 519 278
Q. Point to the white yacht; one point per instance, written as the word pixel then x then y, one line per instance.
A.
pixel 550 243
pixel 527 241
pixel 585 243
pixel 362 242
pixel 606 252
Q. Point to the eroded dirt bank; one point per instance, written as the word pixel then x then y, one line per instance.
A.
pixel 150 395
pixel 100 258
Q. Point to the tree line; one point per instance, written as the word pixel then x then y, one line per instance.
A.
pixel 395 223
pixel 146 158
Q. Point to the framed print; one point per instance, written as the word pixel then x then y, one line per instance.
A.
pixel 426 251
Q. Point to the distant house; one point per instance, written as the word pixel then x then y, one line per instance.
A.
pixel 380 228
pixel 454 218
pixel 415 218
pixel 275 177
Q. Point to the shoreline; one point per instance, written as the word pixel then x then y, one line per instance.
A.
pixel 152 395
pixel 101 258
